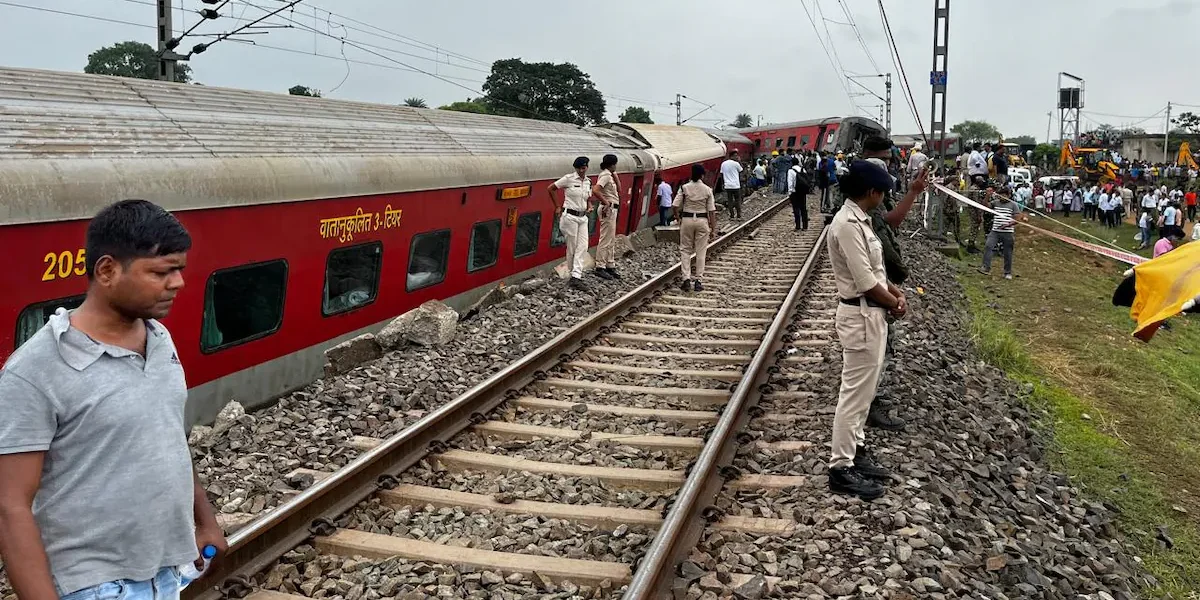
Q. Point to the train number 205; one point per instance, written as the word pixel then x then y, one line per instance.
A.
pixel 64 264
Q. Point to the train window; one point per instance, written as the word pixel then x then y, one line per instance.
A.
pixel 351 278
pixel 778 142
pixel 758 143
pixel 427 259
pixel 556 235
pixel 485 245
pixel 529 227
pixel 804 140
pixel 829 138
pixel 36 315
pixel 243 304
pixel 791 141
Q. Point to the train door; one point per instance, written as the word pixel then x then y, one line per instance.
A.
pixel 821 137
pixel 635 204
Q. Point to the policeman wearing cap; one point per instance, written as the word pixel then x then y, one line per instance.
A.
pixel 607 189
pixel 573 216
pixel 867 298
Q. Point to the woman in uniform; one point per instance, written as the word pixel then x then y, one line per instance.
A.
pixel 572 216
pixel 867 298
pixel 696 211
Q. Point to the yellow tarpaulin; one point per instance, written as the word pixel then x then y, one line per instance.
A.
pixel 1162 286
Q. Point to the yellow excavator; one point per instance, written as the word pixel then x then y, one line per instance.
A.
pixel 1185 158
pixel 1093 165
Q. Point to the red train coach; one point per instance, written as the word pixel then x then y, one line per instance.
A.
pixel 313 220
pixel 833 134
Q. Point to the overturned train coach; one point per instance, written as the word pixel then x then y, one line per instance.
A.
pixel 313 220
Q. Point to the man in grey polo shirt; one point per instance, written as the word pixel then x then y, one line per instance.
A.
pixel 98 498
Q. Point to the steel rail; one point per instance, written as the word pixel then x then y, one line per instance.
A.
pixel 269 537
pixel 676 536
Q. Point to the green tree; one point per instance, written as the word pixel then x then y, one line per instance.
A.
pixel 548 91
pixel 1188 121
pixel 415 102
pixel 300 90
pixel 976 131
pixel 1021 140
pixel 1046 155
pixel 131 59
pixel 469 105
pixel 743 120
pixel 635 114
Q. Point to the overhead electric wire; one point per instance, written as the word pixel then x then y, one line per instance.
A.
pixel 899 64
pixel 858 34
pixel 355 44
pixel 225 36
pixel 81 15
pixel 840 72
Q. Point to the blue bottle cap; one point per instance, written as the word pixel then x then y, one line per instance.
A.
pixel 209 552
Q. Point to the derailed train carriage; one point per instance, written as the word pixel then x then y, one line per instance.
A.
pixel 313 220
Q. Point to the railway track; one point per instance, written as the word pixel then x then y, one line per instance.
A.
pixel 585 468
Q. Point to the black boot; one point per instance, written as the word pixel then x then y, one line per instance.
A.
pixel 613 273
pixel 848 481
pixel 698 286
pixel 686 285
pixel 866 466
pixel 880 419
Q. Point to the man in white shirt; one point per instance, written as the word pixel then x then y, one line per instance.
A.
pixel 731 172
pixel 662 189
pixel 1089 203
pixel 977 167
pixel 573 216
pixel 916 161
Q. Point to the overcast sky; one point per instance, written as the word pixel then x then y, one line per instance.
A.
pixel 1004 56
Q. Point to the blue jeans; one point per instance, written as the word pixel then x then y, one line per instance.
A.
pixel 664 215
pixel 164 586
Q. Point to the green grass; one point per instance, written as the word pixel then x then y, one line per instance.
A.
pixel 1124 416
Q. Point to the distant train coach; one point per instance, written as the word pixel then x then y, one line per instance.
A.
pixel 834 134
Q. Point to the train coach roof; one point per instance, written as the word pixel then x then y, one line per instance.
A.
pixel 676 144
pixel 791 125
pixel 71 143
pixel 729 136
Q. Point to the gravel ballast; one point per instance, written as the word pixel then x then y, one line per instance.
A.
pixel 972 511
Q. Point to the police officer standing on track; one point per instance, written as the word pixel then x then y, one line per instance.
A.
pixel 885 221
pixel 867 298
pixel 608 190
pixel 696 211
pixel 573 216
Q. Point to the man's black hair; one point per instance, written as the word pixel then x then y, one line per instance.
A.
pixel 132 229
pixel 877 143
pixel 609 161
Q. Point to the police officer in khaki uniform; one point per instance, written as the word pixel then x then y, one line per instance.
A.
pixel 608 190
pixel 573 216
pixel 867 298
pixel 696 210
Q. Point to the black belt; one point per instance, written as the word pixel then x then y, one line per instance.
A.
pixel 693 215
pixel 577 213
pixel 858 302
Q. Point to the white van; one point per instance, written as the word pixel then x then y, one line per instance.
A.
pixel 1019 175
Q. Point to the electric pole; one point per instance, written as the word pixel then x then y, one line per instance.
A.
pixel 886 115
pixel 166 58
pixel 679 109
pixel 888 103
pixel 937 78
pixel 1167 135
pixel 1049 120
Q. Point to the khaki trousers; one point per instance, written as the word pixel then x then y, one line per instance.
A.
pixel 606 248
pixel 575 229
pixel 693 237
pixel 862 330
